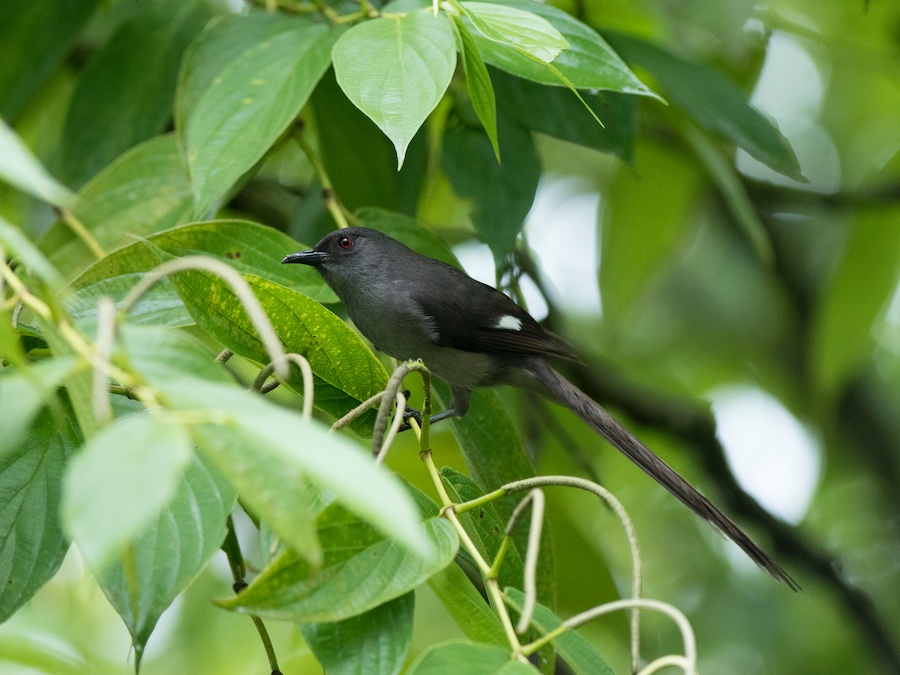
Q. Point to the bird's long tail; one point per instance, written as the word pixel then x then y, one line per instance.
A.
pixel 605 424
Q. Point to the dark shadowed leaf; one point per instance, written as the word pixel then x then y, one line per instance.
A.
pixel 501 194
pixel 714 101
pixel 373 642
pixel 108 114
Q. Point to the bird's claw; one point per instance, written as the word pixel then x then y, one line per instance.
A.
pixel 408 414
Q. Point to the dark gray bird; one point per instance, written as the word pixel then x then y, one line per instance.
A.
pixel 472 335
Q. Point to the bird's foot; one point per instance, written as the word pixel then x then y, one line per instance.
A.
pixel 408 414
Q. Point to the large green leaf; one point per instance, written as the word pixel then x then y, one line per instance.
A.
pixel 361 570
pixel 23 392
pixel 246 246
pixel 346 371
pixel 580 654
pixel 517 28
pixel 32 544
pixel 501 194
pixel 272 486
pixel 467 606
pixel 109 114
pixel 556 112
pixel 38 34
pixel 253 439
pixel 484 526
pixel 146 190
pixel 396 69
pixel 268 452
pixel 120 482
pixel 374 642
pixel 714 101
pixel 22 170
pixel 244 81
pixel 588 63
pixel 166 557
pixel 472 659
pixel 344 135
pixel 495 455
pixel 17 245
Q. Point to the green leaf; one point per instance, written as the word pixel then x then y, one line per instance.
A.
pixel 554 111
pixel 108 113
pixel 32 546
pixel 23 171
pixel 170 552
pixel 144 191
pixel 484 526
pixel 859 293
pixel 722 171
pixel 246 246
pixel 494 454
pixel 640 234
pixel 269 439
pixel 347 372
pixel 478 84
pixel 162 356
pixel 23 392
pixel 374 642
pixel 272 486
pixel 396 69
pixel 79 382
pixel 523 30
pixel 588 63
pixel 580 654
pixel 18 245
pixel 244 81
pixel 50 27
pixel 249 248
pixel 467 607
pixel 345 134
pixel 716 102
pixel 120 482
pixel 472 659
pixel 501 194
pixel 361 570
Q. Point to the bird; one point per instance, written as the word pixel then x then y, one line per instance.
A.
pixel 471 335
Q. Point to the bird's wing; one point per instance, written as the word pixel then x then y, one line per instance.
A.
pixel 477 318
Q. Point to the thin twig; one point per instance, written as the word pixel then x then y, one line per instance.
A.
pixel 357 411
pixel 305 369
pixel 627 526
pixel 534 499
pixel 106 331
pixel 393 431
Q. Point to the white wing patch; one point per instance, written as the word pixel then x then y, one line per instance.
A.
pixel 508 322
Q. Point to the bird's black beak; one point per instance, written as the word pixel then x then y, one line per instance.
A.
pixel 306 258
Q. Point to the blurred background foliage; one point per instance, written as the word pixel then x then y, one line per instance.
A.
pixel 719 281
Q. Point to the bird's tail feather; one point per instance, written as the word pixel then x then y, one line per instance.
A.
pixel 607 426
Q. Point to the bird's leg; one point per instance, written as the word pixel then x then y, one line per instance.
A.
pixel 459 404
pixel 412 413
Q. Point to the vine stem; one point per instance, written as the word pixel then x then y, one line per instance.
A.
pixel 239 286
pixel 232 548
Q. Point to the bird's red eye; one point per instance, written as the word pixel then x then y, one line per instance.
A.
pixel 345 242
